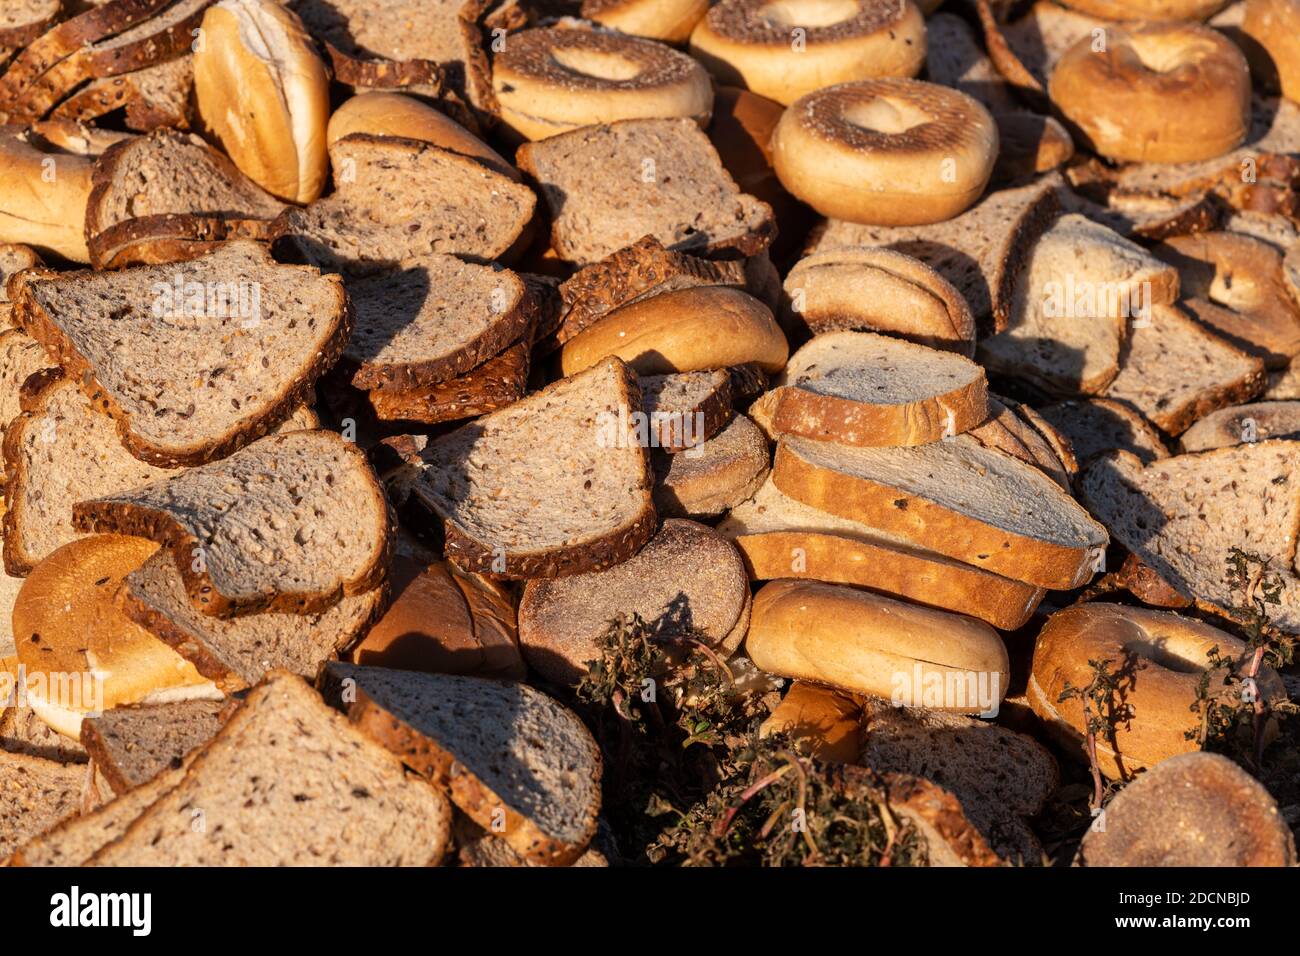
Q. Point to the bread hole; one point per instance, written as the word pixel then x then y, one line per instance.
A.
pixel 596 63
pixel 809 13
pixel 887 115
pixel 1166 54
pixel 1160 653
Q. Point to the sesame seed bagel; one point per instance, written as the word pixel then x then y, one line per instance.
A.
pixel 783 49
pixel 1157 93
pixel 886 152
pixel 668 20
pixel 550 81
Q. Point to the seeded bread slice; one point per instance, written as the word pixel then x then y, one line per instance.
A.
pixel 153 97
pixel 132 745
pixel 35 794
pixel 105 329
pixel 956 497
pixel 22 21
pixel 170 237
pixel 289 782
pixel 556 484
pixel 1241 424
pixel 859 388
pixel 1175 372
pixel 1100 425
pixel 684 409
pixel 396 199
pixel 15 258
pixel 20 357
pixel 659 177
pixel 715 475
pixel 239 652
pixel 505 752
pixel 500 381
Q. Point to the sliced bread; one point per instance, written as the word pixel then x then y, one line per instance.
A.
pixel 153 97
pixel 35 794
pixel 556 484
pixel 688 584
pixel 1026 49
pixel 20 357
pixel 500 381
pixel 859 388
pixel 515 761
pixel 22 732
pixel 288 782
pixel 1100 425
pixel 132 745
pixel 712 476
pixel 1241 424
pixel 395 199
pixel 956 497
pixel 22 21
pixel 226 315
pixel 1018 431
pixel 607 186
pixel 683 409
pixel 13 259
pixel 781 537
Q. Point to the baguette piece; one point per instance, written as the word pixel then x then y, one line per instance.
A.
pixel 259 309
pixel 713 476
pixel 285 748
pixel 1099 425
pixel 863 389
pixel 659 177
pixel 780 537
pixel 132 745
pixel 154 97
pixel 502 750
pixel 956 497
pixel 35 794
pixel 483 482
pixel 1243 424
pixel 685 409
pixel 500 381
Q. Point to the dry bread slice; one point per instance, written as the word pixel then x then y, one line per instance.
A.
pixel 500 381
pixel 15 258
pixel 981 253
pixel 859 388
pixel 20 357
pixel 35 794
pixel 74 136
pixel 153 97
pixel 558 483
pixel 132 745
pixel 22 21
pixel 1100 425
pixel 684 409
pixel 1135 215
pixel 22 732
pixel 1182 516
pixel 396 199
pixel 239 652
pixel 713 476
pixel 1016 430
pixel 224 316
pixel 956 497
pixel 294 522
pixel 1241 424
pixel 1175 372
pixel 505 752
pixel 607 186
pixel 434 319
pixel 289 782
pixel 780 537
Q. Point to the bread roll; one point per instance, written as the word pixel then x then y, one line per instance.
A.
pixel 43 196
pixel 825 723
pixel 263 92
pixel 1275 26
pixel 865 643
pixel 668 20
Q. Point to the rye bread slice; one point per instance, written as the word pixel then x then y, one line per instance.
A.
pixel 500 381
pixel 583 505
pixel 153 97
pixel 982 252
pixel 956 497
pixel 684 409
pixel 515 761
pixel 658 177
pixel 239 652
pixel 132 745
pixel 713 476
pixel 225 391
pixel 35 794
pixel 22 21
pixel 1099 425
pixel 1241 424
pixel 294 522
pixel 289 782
pixel 434 319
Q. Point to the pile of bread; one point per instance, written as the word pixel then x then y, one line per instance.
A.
pixel 363 362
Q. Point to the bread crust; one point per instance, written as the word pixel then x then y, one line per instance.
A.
pixel 712 413
pixel 99 97
pixel 669 21
pixel 169 237
pixel 498 382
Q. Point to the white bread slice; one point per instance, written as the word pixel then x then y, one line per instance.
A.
pixel 780 537
pixel 859 388
pixel 1017 430
pixel 1243 424
pixel 956 497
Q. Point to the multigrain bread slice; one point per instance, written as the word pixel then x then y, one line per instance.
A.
pixel 683 409
pixel 395 199
pixel 434 319
pixel 859 388
pixel 132 745
pixel 289 782
pixel 607 186
pixel 22 21
pixel 35 794
pixel 956 497
pixel 477 847
pixel 171 237
pixel 1240 424
pixel 509 755
pixel 981 253
pixel 239 652
pixel 688 582
pixel 20 357
pixel 153 97
pixel 1099 425
pixel 780 537
pixel 714 475
pixel 1183 515
pixel 201 383
pixel 294 522
pixel 556 484
pixel 500 381
pixel 1174 371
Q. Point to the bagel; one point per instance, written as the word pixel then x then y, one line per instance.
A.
pixel 784 49
pixel 552 80
pixel 1147 9
pixel 1158 93
pixel 670 21
pixel 889 152
pixel 1161 659
pixel 1275 26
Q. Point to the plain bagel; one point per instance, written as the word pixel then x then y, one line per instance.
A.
pixel 1159 659
pixel 888 152
pixel 1157 93
pixel 552 80
pixel 668 20
pixel 783 49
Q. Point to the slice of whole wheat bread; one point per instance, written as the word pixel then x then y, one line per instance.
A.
pixel 1099 425
pixel 132 745
pixel 1240 424
pixel 500 381
pixel 686 408
pixel 22 21
pixel 153 97
pixel 35 794
pixel 508 754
